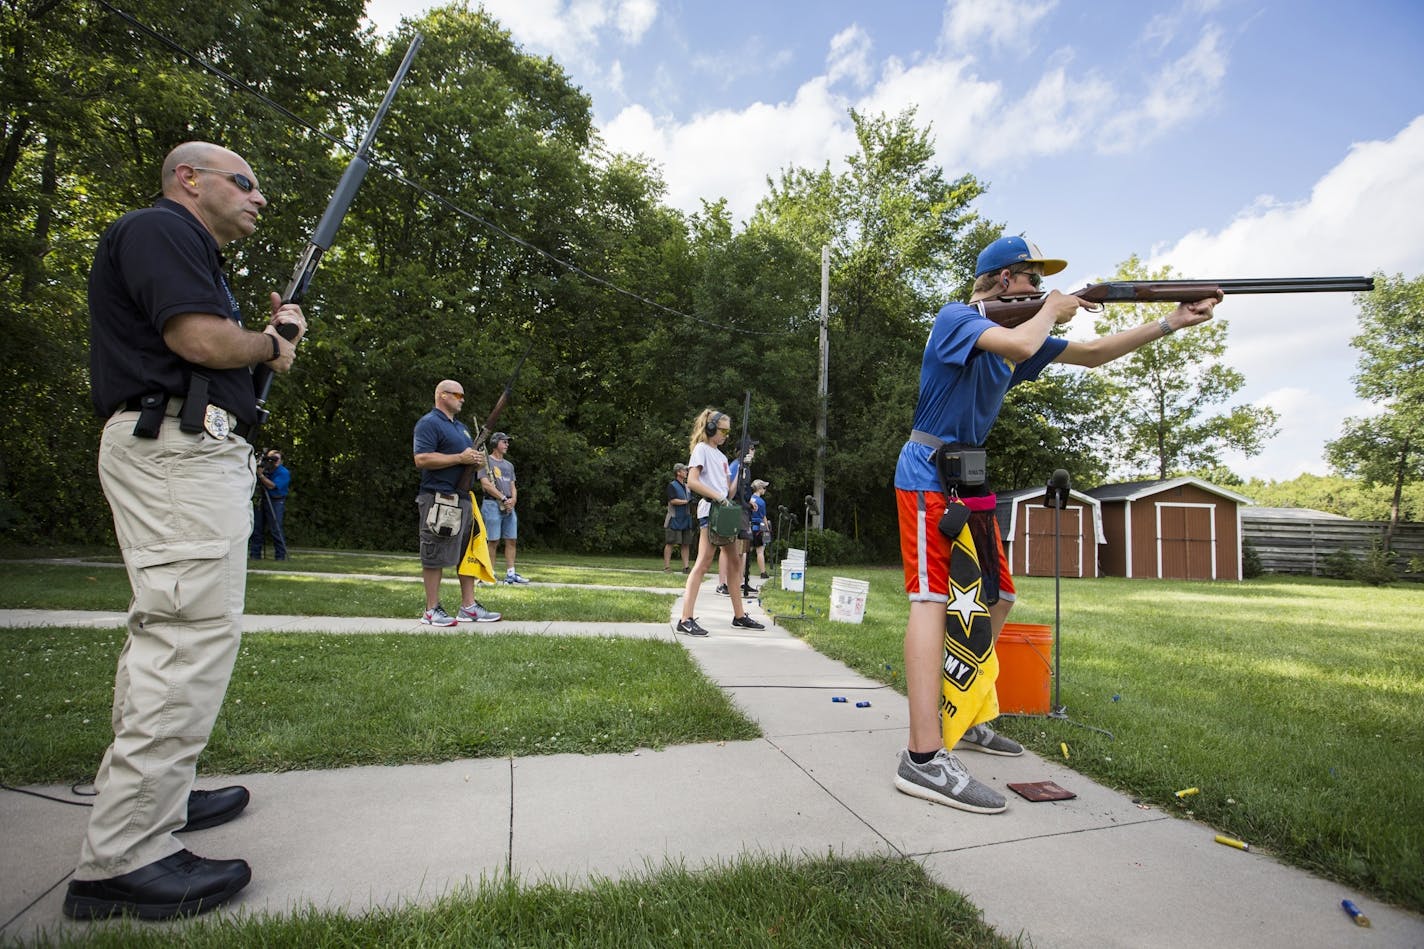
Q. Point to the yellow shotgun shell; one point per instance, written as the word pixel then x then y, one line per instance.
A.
pixel 1188 792
pixel 1232 842
pixel 1064 746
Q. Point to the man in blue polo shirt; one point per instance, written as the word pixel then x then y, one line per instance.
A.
pixel 443 449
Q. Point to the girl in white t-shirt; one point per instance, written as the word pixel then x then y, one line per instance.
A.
pixel 708 477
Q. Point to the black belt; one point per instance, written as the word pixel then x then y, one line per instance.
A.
pixel 173 408
pixel 137 405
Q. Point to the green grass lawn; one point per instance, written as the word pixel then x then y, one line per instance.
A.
pixel 1294 705
pixel 297 700
pixel 63 586
pixel 753 902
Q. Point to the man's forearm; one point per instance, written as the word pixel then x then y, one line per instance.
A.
pixel 206 339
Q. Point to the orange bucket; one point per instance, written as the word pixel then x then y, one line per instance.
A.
pixel 1025 653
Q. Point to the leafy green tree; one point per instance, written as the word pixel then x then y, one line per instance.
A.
pixel 1337 494
pixel 898 231
pixel 89 105
pixel 1388 448
pixel 1164 393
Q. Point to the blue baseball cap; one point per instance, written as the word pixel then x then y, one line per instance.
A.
pixel 1007 251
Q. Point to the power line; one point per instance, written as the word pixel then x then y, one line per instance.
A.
pixel 444 202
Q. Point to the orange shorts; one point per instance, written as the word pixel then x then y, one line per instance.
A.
pixel 924 551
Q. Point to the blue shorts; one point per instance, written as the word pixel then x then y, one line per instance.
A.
pixel 499 525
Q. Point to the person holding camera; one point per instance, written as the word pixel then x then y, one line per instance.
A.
pixel 443 446
pixel 275 480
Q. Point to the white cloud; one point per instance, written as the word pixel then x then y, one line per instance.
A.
pixel 849 56
pixel 634 18
pixel 1361 216
pixel 571 30
pixel 996 23
pixel 1183 90
pixel 730 153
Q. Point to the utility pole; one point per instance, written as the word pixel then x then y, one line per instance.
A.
pixel 821 389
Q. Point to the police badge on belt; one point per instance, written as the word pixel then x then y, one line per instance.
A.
pixel 215 422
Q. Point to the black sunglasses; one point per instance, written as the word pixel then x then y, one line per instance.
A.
pixel 1034 279
pixel 243 182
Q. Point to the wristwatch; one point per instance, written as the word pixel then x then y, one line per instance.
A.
pixel 1166 327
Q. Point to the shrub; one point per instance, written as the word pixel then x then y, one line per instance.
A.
pixel 825 548
pixel 1251 566
pixel 1338 565
pixel 1377 567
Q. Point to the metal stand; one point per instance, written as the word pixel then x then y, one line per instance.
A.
pixel 811 509
pixel 1057 498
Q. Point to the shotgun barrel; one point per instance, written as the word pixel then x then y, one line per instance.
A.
pixel 1012 311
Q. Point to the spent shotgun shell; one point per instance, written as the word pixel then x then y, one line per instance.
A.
pixel 1232 842
pixel 1360 918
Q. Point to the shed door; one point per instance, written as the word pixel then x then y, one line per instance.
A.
pixel 1185 543
pixel 1040 541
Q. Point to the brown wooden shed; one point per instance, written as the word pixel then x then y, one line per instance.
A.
pixel 1177 529
pixel 1027 528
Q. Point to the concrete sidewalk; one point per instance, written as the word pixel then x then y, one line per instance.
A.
pixel 1094 871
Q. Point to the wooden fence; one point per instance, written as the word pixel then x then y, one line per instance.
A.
pixel 1301 545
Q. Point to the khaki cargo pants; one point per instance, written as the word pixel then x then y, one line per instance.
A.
pixel 182 508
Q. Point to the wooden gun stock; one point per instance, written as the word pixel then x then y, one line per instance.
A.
pixel 1013 311
pixel 467 477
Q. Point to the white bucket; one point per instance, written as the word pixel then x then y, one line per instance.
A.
pixel 793 576
pixel 795 555
pixel 848 599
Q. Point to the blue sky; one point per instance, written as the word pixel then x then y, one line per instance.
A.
pixel 1227 138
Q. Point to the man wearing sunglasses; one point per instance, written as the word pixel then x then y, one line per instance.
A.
pixel 171 370
pixel 968 367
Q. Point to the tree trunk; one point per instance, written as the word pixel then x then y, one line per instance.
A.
pixel 1394 504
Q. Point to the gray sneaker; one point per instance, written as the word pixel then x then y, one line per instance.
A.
pixel 983 738
pixel 945 781
pixel 437 617
pixel 475 613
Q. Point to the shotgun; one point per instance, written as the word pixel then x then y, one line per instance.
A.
pixel 1011 311
pixel 325 232
pixel 467 476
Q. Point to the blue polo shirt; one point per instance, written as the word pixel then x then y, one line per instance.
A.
pixel 962 389
pixel 437 432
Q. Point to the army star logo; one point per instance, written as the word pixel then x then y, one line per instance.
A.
pixel 966 602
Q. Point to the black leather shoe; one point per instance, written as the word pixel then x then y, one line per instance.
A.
pixel 182 884
pixel 211 808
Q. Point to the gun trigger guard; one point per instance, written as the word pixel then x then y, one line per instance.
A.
pixel 1093 308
